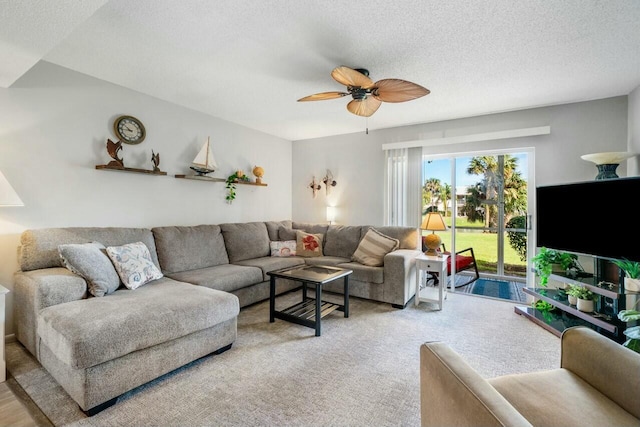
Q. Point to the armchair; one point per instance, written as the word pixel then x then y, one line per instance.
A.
pixel 597 384
pixel 464 260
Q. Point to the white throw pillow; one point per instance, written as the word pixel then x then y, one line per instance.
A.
pixel 373 247
pixel 283 249
pixel 133 264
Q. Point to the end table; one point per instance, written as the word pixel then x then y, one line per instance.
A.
pixel 433 264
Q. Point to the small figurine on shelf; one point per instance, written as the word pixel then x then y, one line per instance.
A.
pixel 155 160
pixel 113 148
pixel 259 173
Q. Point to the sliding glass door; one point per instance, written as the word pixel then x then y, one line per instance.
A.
pixel 484 200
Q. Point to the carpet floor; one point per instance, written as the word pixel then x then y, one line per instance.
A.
pixel 362 371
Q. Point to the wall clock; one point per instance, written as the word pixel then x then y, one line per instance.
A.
pixel 129 129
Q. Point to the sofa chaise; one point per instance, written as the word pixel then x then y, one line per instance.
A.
pixel 98 348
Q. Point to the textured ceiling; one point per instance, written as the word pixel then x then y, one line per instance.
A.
pixel 249 61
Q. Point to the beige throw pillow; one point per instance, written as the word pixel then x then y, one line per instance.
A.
pixel 373 247
pixel 133 264
pixel 308 245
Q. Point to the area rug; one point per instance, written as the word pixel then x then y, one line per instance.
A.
pixel 511 291
pixel 363 371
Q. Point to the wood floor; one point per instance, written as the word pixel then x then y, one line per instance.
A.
pixel 17 410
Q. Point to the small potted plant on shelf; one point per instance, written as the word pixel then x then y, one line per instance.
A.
pixel 585 298
pixel 632 274
pixel 633 333
pixel 546 259
pixel 572 294
pixel 231 184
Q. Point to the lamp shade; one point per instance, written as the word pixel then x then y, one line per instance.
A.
pixel 331 214
pixel 433 221
pixel 8 196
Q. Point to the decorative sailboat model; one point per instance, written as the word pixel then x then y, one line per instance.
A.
pixel 204 162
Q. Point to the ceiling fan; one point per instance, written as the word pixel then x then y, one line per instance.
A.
pixel 367 95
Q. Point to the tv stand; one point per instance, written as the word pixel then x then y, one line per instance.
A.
pixel 605 281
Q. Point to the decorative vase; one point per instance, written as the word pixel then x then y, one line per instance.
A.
pixel 572 300
pixel 607 163
pixel 631 285
pixel 585 305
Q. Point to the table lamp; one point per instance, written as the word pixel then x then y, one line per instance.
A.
pixel 8 196
pixel 433 222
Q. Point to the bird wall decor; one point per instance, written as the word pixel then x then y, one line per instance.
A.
pixel 315 186
pixel 329 182
pixel 155 160
pixel 113 148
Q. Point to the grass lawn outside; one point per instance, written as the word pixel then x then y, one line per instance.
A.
pixel 485 248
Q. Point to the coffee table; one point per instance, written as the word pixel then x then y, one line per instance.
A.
pixel 309 311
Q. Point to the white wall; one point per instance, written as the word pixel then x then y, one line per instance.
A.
pixel 54 124
pixel 357 160
pixel 633 164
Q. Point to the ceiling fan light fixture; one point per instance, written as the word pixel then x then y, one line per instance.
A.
pixel 367 95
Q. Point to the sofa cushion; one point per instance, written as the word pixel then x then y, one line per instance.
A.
pixel 373 247
pixel 90 261
pixel 308 245
pixel 39 247
pixel 268 264
pixel 246 240
pixel 364 273
pixel 225 277
pixel 133 264
pixel 568 400
pixel 285 233
pixel 311 228
pixel 342 240
pixel 409 237
pixel 273 226
pixel 283 248
pixel 190 248
pixel 88 332
pixel 326 260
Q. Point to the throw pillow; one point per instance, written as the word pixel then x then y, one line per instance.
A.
pixel 89 261
pixel 285 234
pixel 133 264
pixel 283 249
pixel 373 247
pixel 308 245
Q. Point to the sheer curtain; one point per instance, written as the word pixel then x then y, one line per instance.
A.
pixel 403 182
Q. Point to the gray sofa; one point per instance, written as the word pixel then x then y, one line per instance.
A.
pixel 98 348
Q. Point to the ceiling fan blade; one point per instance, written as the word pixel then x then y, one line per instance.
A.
pixel 365 107
pixel 396 90
pixel 351 77
pixel 323 95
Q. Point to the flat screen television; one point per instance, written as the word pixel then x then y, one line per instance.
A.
pixel 592 218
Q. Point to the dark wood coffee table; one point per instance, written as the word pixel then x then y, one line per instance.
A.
pixel 309 311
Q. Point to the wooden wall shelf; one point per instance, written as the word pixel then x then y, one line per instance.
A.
pixel 251 183
pixel 135 170
pixel 201 178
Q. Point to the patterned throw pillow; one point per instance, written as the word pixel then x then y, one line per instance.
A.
pixel 283 249
pixel 308 245
pixel 373 247
pixel 133 264
pixel 89 261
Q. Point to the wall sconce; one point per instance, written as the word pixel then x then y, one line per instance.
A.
pixel 315 186
pixel 329 181
pixel 331 214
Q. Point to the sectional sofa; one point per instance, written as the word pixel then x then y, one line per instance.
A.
pixel 98 348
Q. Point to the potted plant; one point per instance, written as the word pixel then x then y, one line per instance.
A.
pixel 231 184
pixel 545 259
pixel 585 298
pixel 633 333
pixel 572 294
pixel 631 272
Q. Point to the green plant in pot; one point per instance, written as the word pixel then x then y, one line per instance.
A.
pixel 632 274
pixel 572 292
pixel 231 184
pixel 633 333
pixel 545 259
pixel 585 298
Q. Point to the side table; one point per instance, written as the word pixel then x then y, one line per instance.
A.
pixel 433 264
pixel 3 364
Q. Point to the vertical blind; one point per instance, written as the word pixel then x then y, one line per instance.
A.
pixel 403 181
